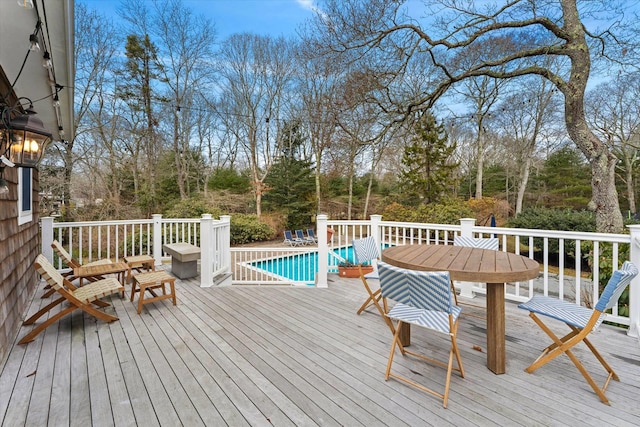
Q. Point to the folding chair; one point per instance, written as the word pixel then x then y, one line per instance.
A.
pixel 482 243
pixel 582 321
pixel 365 250
pixel 72 263
pixel 423 298
pixel 78 298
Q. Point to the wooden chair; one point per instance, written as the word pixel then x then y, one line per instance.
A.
pixel 78 298
pixel 423 298
pixel 72 263
pixel 582 321
pixel 366 251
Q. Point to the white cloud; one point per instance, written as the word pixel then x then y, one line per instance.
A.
pixel 307 4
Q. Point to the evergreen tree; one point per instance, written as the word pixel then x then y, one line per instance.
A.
pixel 427 166
pixel 142 76
pixel 566 179
pixel 291 182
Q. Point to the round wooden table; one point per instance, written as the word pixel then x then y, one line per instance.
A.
pixel 472 265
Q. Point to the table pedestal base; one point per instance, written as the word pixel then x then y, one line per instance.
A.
pixel 496 360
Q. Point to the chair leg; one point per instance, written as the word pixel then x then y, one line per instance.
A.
pixel 392 352
pixel 97 313
pixel 41 327
pixel 563 346
pixel 603 362
pixel 42 311
pixel 455 295
pixel 48 292
pixel 454 352
pixel 373 296
pixel 374 299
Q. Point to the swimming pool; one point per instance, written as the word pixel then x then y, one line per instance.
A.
pixel 301 267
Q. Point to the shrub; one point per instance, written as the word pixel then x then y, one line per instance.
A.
pixel 447 211
pixel 248 228
pixel 192 207
pixel 555 219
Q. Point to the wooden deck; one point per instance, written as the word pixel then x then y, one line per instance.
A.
pixel 290 356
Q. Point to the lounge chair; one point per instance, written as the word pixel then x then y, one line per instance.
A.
pixel 78 298
pixel 581 321
pixel 300 236
pixel 72 263
pixel 311 235
pixel 290 240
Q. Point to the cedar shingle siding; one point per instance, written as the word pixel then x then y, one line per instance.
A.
pixel 19 246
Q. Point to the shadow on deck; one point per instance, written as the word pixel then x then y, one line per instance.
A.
pixel 293 356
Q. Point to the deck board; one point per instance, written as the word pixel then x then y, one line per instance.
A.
pixel 292 356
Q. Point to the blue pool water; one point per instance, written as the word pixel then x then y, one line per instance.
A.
pixel 300 267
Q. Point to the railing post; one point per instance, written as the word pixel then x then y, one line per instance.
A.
pixel 157 239
pixel 466 230
pixel 225 245
pixel 466 227
pixel 206 251
pixel 323 251
pixel 634 287
pixel 46 236
pixel 375 228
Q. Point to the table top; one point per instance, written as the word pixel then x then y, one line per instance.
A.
pixel 463 263
pixel 98 270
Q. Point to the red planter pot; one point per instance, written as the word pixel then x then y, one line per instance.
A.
pixel 353 271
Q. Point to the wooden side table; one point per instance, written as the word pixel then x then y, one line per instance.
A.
pixel 150 282
pixel 138 262
pixel 121 269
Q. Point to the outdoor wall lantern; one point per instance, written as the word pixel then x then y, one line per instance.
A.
pixel 23 138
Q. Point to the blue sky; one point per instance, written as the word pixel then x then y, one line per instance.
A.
pixel 266 17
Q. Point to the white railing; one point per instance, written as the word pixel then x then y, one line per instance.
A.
pixel 598 251
pixel 91 240
pixel 274 266
pixel 569 282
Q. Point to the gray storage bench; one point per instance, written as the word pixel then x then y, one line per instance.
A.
pixel 184 259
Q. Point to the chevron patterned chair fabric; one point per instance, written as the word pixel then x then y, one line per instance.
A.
pixel 492 243
pixel 366 251
pixel 582 321
pixel 423 298
pixel 482 243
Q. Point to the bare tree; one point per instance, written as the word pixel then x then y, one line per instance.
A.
pixel 539 28
pixel 318 79
pixel 614 115
pixel 256 75
pixel 95 48
pixel 522 117
pixel 186 49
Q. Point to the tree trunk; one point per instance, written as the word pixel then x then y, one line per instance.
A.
pixel 604 199
pixel 631 196
pixel 480 161
pixel 522 185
